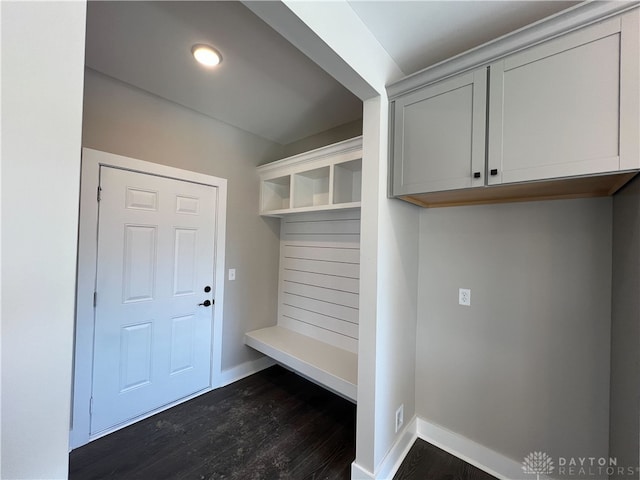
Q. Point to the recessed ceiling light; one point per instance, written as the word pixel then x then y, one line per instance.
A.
pixel 206 55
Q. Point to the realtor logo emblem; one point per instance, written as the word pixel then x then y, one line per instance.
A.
pixel 537 463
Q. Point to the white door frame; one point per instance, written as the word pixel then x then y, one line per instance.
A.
pixel 92 160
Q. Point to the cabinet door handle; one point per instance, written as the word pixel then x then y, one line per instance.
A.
pixel 476 174
pixel 494 172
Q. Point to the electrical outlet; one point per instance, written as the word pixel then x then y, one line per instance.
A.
pixel 399 417
pixel 464 297
pixel 232 274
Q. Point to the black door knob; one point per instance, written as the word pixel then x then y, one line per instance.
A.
pixel 206 303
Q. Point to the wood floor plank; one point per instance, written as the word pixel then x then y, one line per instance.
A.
pixel 271 425
pixel 427 462
pixel 274 424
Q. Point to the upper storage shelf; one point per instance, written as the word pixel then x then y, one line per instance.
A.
pixel 327 178
pixel 551 111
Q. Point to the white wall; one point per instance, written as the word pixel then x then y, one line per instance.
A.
pixel 386 347
pixel 41 128
pixel 526 366
pixel 388 273
pixel 127 121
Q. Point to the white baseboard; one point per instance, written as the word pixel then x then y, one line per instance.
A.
pixel 243 370
pixel 480 456
pixel 392 460
pixel 472 452
pixel 360 473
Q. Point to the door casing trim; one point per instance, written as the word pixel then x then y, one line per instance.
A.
pixel 92 160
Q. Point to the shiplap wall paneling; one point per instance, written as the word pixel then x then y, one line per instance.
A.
pixel 319 276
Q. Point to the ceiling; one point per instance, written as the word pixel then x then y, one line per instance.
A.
pixel 264 84
pixel 418 34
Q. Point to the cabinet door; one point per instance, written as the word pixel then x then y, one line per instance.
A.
pixel 568 106
pixel 439 136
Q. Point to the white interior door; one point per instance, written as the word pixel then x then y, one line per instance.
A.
pixel 153 341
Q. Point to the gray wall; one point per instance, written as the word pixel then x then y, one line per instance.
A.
pixel 625 328
pixel 526 366
pixel 121 119
pixel 333 135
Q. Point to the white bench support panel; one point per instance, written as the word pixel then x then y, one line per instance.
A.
pixel 331 367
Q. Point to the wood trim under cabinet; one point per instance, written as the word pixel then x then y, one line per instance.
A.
pixel 577 187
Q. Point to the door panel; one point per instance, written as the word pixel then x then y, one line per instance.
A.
pixel 140 256
pixel 439 136
pixel 185 261
pixel 182 330
pixel 135 356
pixel 155 256
pixel 555 108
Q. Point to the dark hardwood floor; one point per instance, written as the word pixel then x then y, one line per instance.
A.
pixel 271 425
pixel 427 462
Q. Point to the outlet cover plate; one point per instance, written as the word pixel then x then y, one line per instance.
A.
pixel 464 297
pixel 399 417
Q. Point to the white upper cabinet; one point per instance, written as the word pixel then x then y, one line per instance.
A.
pixel 563 108
pixel 439 136
pixel 557 102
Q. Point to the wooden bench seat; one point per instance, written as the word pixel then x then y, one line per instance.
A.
pixel 332 367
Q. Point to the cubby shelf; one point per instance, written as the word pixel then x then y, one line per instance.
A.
pixel 327 178
pixel 276 193
pixel 311 187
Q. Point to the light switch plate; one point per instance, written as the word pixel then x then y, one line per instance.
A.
pixel 232 274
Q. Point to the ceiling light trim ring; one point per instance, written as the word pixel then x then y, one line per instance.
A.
pixel 206 55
